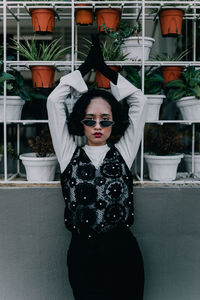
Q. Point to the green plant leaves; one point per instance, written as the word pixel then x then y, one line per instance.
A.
pixel 187 85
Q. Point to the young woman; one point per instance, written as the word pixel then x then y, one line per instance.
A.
pixel 104 260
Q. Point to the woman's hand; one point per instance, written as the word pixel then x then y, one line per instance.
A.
pixel 99 62
pixel 89 62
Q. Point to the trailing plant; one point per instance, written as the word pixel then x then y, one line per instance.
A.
pixel 153 80
pixel 10 151
pixel 124 30
pixel 14 81
pixel 163 139
pixel 44 52
pixel 42 144
pixel 187 85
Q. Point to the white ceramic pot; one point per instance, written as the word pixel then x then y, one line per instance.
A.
pixel 133 47
pixel 39 168
pixel 162 168
pixel 153 107
pixel 14 105
pixel 188 162
pixel 189 107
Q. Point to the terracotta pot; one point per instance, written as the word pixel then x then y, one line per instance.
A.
pixel 43 76
pixel 43 20
pixel 171 73
pixel 171 22
pixel 84 16
pixel 109 16
pixel 102 81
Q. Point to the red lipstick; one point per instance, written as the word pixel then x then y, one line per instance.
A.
pixel 98 134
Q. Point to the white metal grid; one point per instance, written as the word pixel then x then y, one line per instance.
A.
pixel 19 10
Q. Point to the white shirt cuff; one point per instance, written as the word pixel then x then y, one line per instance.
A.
pixel 123 88
pixel 75 80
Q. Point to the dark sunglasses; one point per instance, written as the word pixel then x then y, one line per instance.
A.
pixel 103 123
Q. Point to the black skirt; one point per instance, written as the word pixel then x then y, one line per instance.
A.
pixel 109 267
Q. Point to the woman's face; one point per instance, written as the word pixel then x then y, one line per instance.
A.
pixel 98 110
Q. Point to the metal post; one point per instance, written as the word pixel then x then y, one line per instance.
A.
pixel 4 103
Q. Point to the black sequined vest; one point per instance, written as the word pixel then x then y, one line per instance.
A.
pixel 97 200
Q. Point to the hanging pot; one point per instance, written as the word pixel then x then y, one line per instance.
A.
pixel 171 21
pixel 170 73
pixel 102 81
pixel 109 17
pixel 83 16
pixel 43 20
pixel 43 76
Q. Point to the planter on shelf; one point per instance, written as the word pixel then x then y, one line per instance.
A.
pixel 189 107
pixel 132 46
pixel 153 107
pixel 83 16
pixel 43 76
pixel 102 81
pixel 109 17
pixel 14 105
pixel 39 168
pixel 188 161
pixel 171 21
pixel 43 20
pixel 162 168
pixel 171 73
pixel 186 92
pixel 153 82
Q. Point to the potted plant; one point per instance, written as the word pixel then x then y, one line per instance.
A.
pixel 16 92
pixel 10 151
pixel 128 37
pixel 186 92
pixel 171 72
pixel 153 82
pixel 107 16
pixel 83 15
pixel 40 165
pixel 42 76
pixel 43 19
pixel 162 143
pixel 188 155
pixel 171 21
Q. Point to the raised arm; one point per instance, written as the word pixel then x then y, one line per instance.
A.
pixel 129 143
pixel 122 88
pixel 63 142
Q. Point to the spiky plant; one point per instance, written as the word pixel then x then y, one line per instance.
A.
pixel 166 57
pixel 44 52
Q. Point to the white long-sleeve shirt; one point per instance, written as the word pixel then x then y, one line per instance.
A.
pixel 64 143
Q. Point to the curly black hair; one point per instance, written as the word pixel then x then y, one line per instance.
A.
pixel 120 114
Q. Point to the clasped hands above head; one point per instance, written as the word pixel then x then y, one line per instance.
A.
pixel 95 60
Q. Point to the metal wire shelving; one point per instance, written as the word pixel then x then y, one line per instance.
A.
pixel 20 11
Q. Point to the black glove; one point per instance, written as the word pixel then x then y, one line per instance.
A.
pixel 88 63
pixel 99 62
